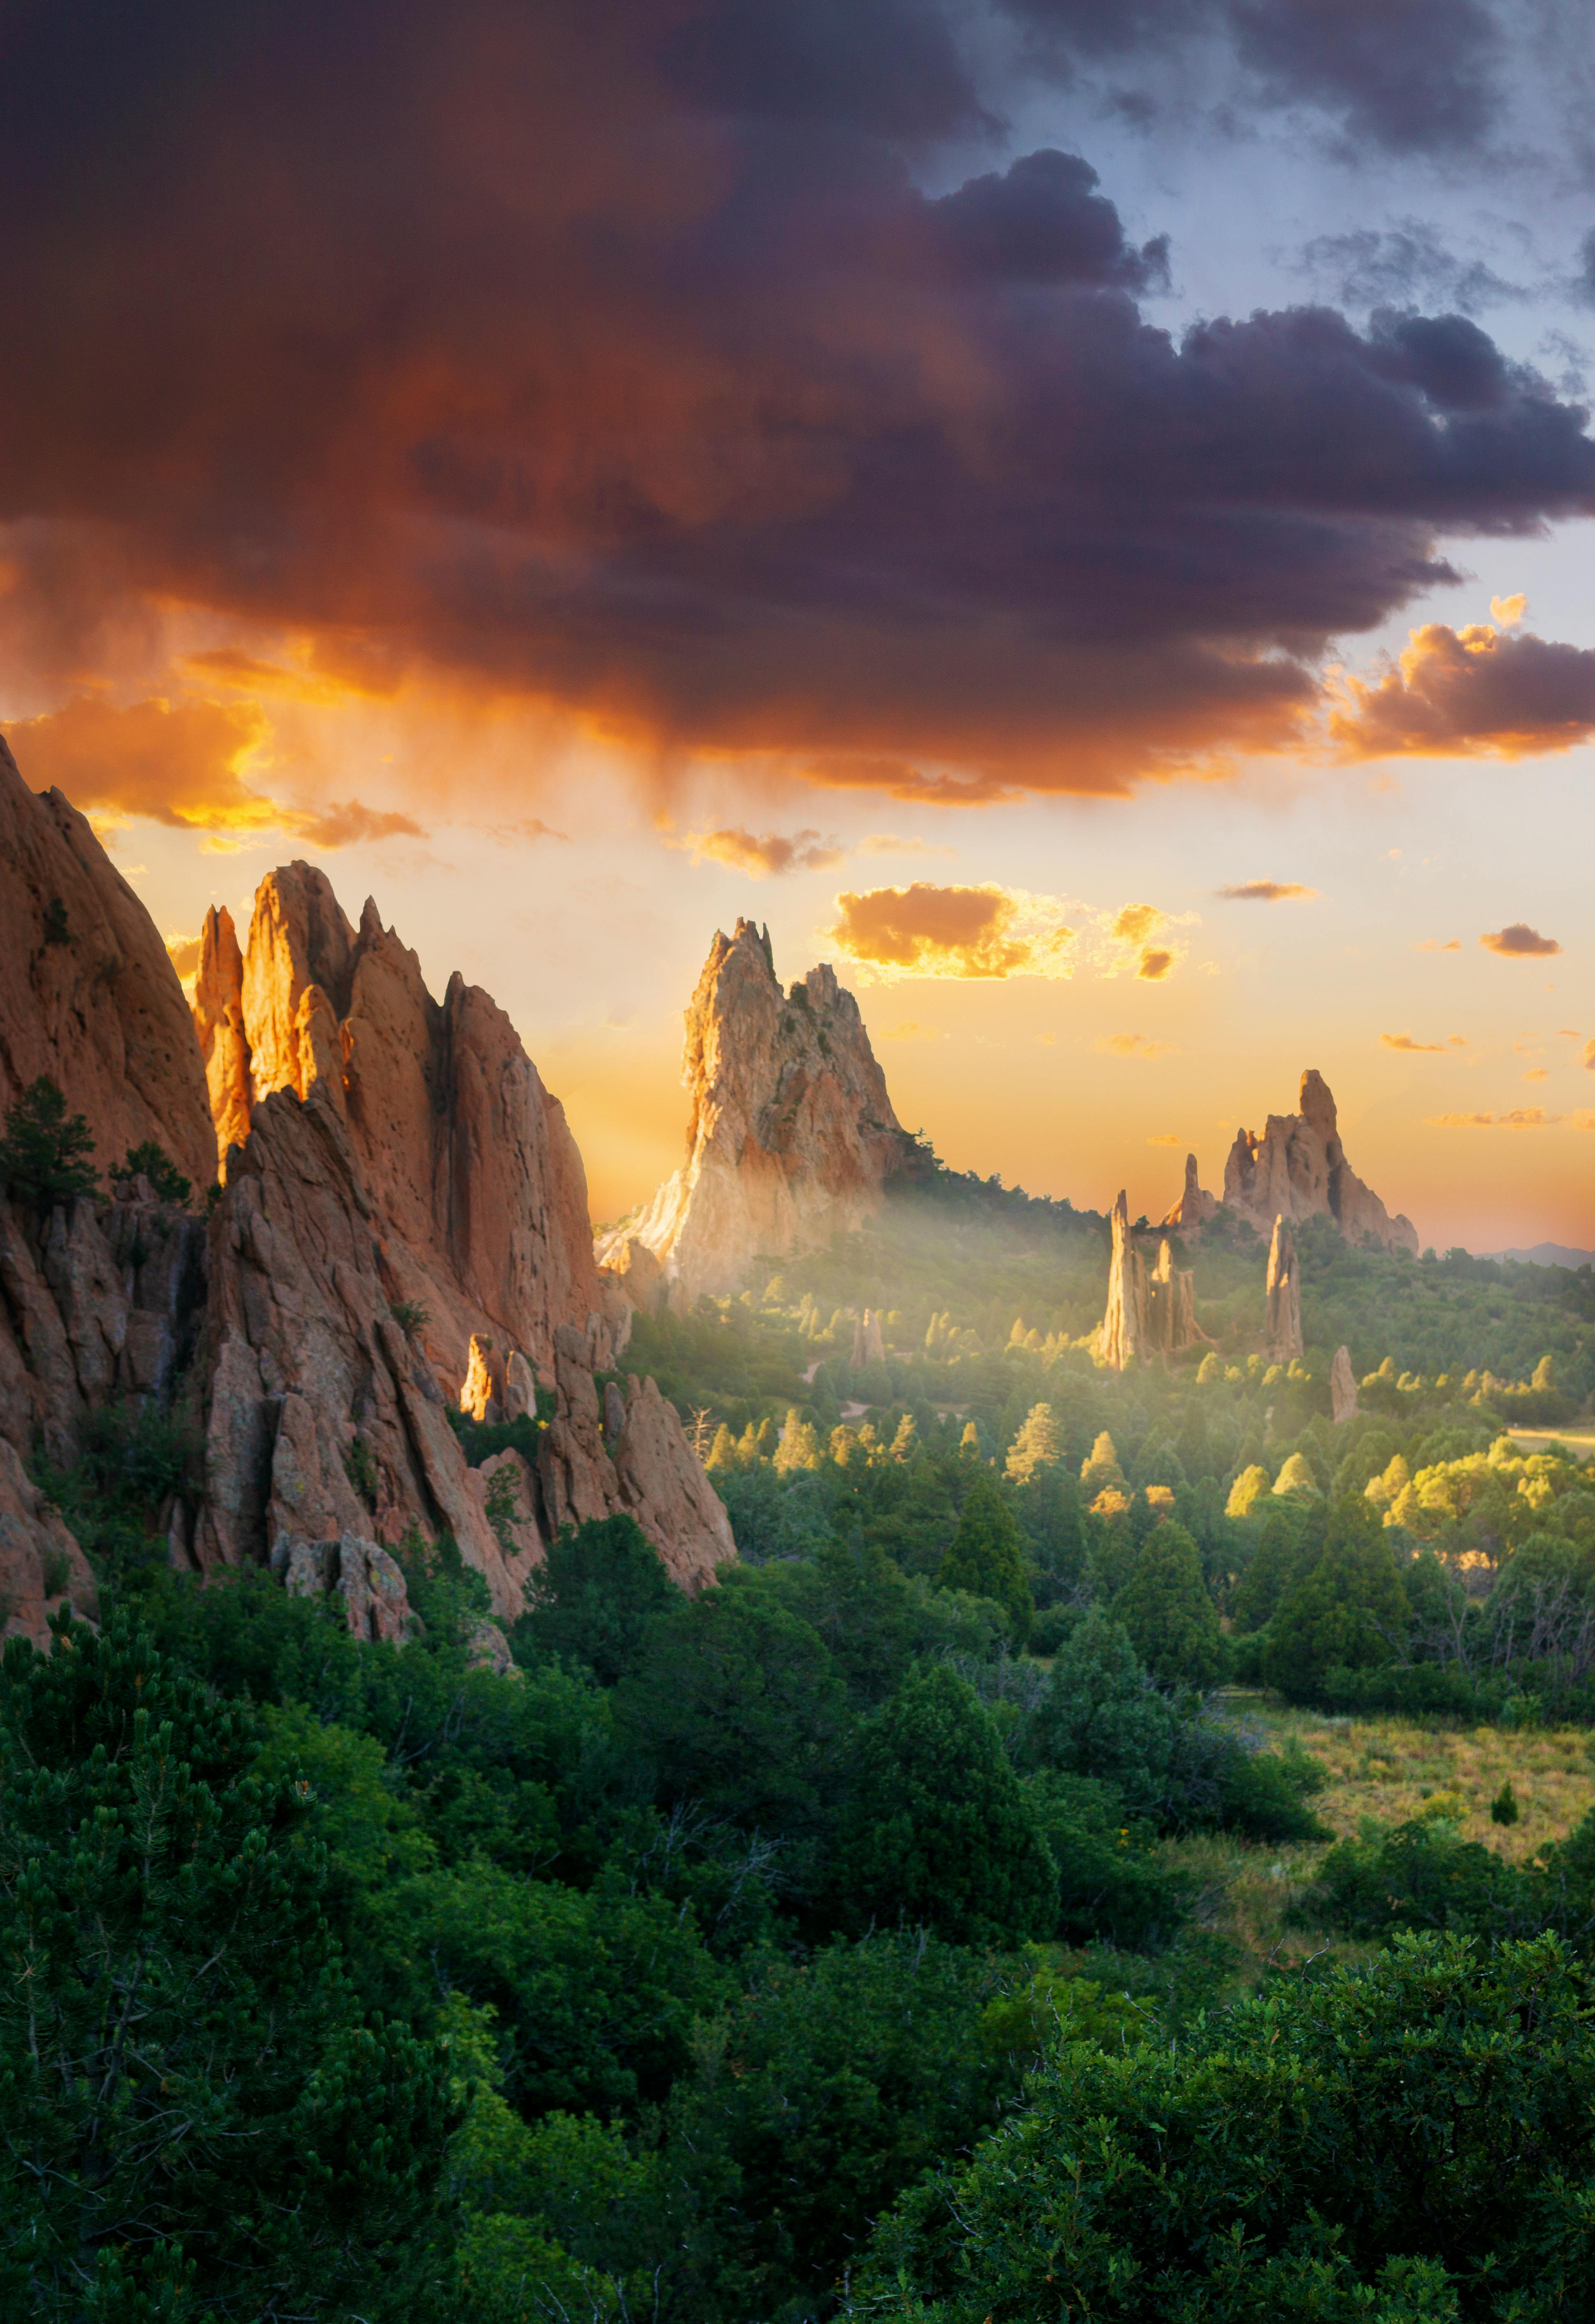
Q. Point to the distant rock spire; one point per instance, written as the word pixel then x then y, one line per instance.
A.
pixel 1122 1340
pixel 1284 1293
pixel 1297 1169
pixel 1195 1206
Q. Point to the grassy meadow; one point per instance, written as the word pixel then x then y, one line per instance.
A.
pixel 1388 1771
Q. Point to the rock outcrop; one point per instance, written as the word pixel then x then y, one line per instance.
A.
pixel 41 1567
pixel 1148 1314
pixel 1282 1332
pixel 1195 1206
pixel 475 1189
pixel 869 1344
pixel 628 1455
pixel 1297 1169
pixel 792 1136
pixel 87 993
pixel 1342 1387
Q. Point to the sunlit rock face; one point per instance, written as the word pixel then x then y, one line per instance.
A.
pixel 1283 1297
pixel 1297 1169
pixel 1195 1206
pixel 87 993
pixel 792 1136
pixel 476 1195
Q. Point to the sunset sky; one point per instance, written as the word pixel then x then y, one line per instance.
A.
pixel 1072 510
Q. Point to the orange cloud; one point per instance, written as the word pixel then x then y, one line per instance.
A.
pixel 182 763
pixel 1135 922
pixel 1519 942
pixel 184 954
pixel 1405 1042
pixel 759 857
pixel 1166 1137
pixel 1590 1057
pixel 1471 693
pixel 1268 891
pixel 1135 1045
pixel 1155 964
pixel 1536 1073
pixel 953 931
pixel 1527 1116
pixel 1433 943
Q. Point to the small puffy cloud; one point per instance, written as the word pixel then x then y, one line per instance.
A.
pixel 1590 1057
pixel 887 842
pixel 1405 1042
pixel 1519 941
pixel 925 930
pixel 1135 922
pixel 1166 1137
pixel 1154 964
pixel 1268 891
pixel 762 856
pixel 1508 611
pixel 1525 1117
pixel 1433 943
pixel 184 764
pixel 183 952
pixel 1536 1073
pixel 1134 1045
pixel 1471 693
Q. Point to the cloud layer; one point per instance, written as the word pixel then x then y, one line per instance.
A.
pixel 614 360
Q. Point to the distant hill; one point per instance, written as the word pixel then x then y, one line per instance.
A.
pixel 1548 1254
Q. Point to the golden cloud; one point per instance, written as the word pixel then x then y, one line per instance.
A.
pixel 1268 891
pixel 1166 1137
pixel 1154 964
pixel 924 931
pixel 1508 611
pixel 1135 922
pixel 1135 1045
pixel 184 954
pixel 182 763
pixel 1405 1042
pixel 1526 1117
pixel 1536 1073
pixel 773 853
pixel 1519 942
pixel 1433 943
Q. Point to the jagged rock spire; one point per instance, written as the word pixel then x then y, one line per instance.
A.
pixel 1284 1293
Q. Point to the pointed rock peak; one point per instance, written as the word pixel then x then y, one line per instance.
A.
pixel 1298 1169
pixel 792 1136
pixel 1316 1103
pixel 1195 1206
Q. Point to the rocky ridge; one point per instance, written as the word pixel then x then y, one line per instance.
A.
pixel 382 1151
pixel 1297 1169
pixel 792 1136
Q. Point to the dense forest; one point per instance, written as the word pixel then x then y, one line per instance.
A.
pixel 823 1945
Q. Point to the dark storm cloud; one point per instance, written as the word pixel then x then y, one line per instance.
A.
pixel 613 356
pixel 1409 264
pixel 1407 76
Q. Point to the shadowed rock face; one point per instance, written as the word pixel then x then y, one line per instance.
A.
pixel 88 992
pixel 792 1134
pixel 1283 1292
pixel 477 1195
pixel 1195 1206
pixel 1297 1169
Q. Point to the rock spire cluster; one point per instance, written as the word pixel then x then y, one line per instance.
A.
pixel 1297 1169
pixel 1342 1387
pixel 403 1208
pixel 792 1136
pixel 1147 1314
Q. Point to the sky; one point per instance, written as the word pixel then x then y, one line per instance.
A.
pixel 1074 510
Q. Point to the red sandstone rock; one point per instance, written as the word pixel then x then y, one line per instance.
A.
pixel 41 1563
pixel 1195 1206
pixel 1283 1291
pixel 1342 1387
pixel 100 1011
pixel 1297 1169
pixel 792 1135
pixel 1121 1340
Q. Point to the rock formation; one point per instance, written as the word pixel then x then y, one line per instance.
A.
pixel 87 993
pixel 42 1566
pixel 1195 1206
pixel 475 1187
pixel 869 1346
pixel 629 1456
pixel 1342 1387
pixel 1147 1315
pixel 1121 1340
pixel 792 1136
pixel 1283 1290
pixel 1297 1169
pixel 1170 1306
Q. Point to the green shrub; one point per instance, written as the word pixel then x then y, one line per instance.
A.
pixel 44 1152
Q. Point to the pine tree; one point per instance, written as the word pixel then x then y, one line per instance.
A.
pixel 45 1153
pixel 938 1830
pixel 1297 1476
pixel 986 1555
pixel 1349 1611
pixel 1038 1446
pixel 204 2116
pixel 1249 1488
pixel 1101 1466
pixel 1167 1613
pixel 799 1447
pixel 1275 1568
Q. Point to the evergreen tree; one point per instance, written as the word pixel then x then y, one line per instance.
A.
pixel 1038 1446
pixel 151 1161
pixel 45 1153
pixel 799 1447
pixel 1166 1611
pixel 1275 1568
pixel 938 1830
pixel 1297 1476
pixel 1248 1490
pixel 197 2120
pixel 594 1599
pixel 986 1555
pixel 1101 1466
pixel 1349 1611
